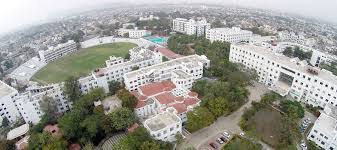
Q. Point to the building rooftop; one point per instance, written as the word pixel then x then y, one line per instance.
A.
pixel 191 59
pixel 290 63
pixel 155 88
pixel 167 53
pixel 5 89
pixel 161 121
pixel 234 30
pixel 182 74
pixel 17 132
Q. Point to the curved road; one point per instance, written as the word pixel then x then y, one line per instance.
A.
pixel 201 138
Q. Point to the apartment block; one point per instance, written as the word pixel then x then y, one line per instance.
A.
pixel 192 65
pixel 59 51
pixel 8 107
pixel 134 33
pixel 191 27
pixel 324 131
pixel 116 67
pixel 285 75
pixel 231 35
pixel 28 103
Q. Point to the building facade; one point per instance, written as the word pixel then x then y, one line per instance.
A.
pixel 192 64
pixel 164 126
pixel 231 35
pixel 134 33
pixel 116 67
pixel 324 131
pixel 286 75
pixel 59 51
pixel 8 107
pixel 190 27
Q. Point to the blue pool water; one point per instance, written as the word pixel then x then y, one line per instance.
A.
pixel 158 40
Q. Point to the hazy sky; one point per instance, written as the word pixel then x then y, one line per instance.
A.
pixel 16 13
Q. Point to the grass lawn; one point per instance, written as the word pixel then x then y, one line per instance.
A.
pixel 81 63
pixel 238 143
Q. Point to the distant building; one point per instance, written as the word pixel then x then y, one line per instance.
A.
pixel 231 35
pixel 57 52
pixel 191 27
pixel 324 131
pixel 164 126
pixel 293 37
pixel 150 17
pixel 319 57
pixel 134 33
pixel 286 75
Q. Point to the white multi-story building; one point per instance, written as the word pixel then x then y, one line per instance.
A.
pixel 191 27
pixel 286 75
pixel 8 107
pixel 134 33
pixel 232 35
pixel 116 67
pixel 150 17
pixel 193 65
pixel 164 126
pixel 287 36
pixel 59 51
pixel 28 103
pixel 319 57
pixel 324 131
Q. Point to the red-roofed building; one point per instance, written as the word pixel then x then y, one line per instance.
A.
pixel 165 98
pixel 156 97
pixel 169 54
pixel 54 130
pixel 74 146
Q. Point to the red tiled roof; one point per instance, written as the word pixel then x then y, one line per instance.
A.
pixel 133 127
pixel 168 53
pixel 155 88
pixel 75 146
pixel 165 98
pixel 180 107
pixel 140 104
pixel 190 101
pixel 193 94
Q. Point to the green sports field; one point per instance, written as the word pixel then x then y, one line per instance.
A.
pixel 81 63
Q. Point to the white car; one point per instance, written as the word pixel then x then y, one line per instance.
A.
pixel 227 135
pixel 242 134
pixel 303 145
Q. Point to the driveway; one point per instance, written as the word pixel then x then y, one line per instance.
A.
pixel 201 138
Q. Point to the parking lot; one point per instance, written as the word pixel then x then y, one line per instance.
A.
pixel 200 139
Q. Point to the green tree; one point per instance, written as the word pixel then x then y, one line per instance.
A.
pixel 149 145
pixel 72 89
pixel 312 146
pixel 179 138
pixel 128 100
pixel 7 145
pixel 45 141
pixel 199 118
pixel 5 122
pixel 48 106
pixel 114 86
pixel 288 52
pixel 294 109
pixel 122 118
pixel 219 106
pixel 135 68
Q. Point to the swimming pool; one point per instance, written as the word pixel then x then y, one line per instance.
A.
pixel 158 40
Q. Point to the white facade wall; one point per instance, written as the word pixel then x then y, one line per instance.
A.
pixel 190 27
pixel 319 57
pixel 134 33
pixel 318 90
pixel 163 71
pixel 8 108
pixel 168 132
pixel 60 51
pixel 231 35
pixel 29 103
pixel 117 67
pixel 324 132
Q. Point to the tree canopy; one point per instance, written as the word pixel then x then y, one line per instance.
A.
pixel 122 118
pixel 128 100
pixel 198 118
pixel 72 89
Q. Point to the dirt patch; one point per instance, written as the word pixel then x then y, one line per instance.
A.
pixel 268 124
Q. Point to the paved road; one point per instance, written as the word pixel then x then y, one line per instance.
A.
pixel 201 138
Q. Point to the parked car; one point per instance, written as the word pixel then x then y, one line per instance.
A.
pixel 213 145
pixel 242 134
pixel 223 139
pixel 227 135
pixel 219 141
